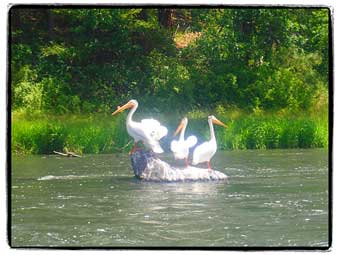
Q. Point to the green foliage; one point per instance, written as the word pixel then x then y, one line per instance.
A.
pixel 252 57
pixel 26 92
pixel 241 64
pixel 166 74
pixel 87 60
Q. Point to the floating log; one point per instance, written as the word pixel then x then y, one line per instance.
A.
pixel 67 154
pixel 148 167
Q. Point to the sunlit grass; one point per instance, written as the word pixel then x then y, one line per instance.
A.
pixel 272 132
pixel 42 134
pixel 78 133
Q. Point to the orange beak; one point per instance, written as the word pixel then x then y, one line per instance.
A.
pixel 179 128
pixel 122 108
pixel 218 122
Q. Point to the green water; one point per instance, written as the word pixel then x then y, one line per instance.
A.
pixel 273 198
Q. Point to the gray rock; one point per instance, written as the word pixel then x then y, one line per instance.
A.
pixel 147 166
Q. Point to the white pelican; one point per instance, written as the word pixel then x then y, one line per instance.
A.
pixel 205 151
pixel 149 131
pixel 180 148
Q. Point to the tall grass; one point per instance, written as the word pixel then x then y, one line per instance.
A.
pixel 81 134
pixel 42 134
pixel 272 132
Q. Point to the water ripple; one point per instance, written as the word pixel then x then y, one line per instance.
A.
pixel 71 177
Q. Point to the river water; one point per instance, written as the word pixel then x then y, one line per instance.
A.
pixel 272 198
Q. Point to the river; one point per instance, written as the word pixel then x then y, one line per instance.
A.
pixel 273 198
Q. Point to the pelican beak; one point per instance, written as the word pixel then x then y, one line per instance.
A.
pixel 122 108
pixel 179 128
pixel 218 122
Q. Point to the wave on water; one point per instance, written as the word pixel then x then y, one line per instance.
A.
pixel 70 177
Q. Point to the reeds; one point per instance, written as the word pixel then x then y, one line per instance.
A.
pixel 81 134
pixel 273 132
pixel 42 134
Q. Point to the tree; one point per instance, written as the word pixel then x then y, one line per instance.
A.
pixel 165 17
pixel 87 59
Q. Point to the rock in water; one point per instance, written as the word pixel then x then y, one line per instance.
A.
pixel 147 167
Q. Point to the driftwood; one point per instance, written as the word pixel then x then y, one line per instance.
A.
pixel 67 154
pixel 148 167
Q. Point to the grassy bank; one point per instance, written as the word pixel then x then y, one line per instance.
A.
pixel 41 134
pixel 82 134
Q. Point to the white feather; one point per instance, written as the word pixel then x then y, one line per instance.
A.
pixel 204 152
pixel 149 131
pixel 180 147
pixel 154 128
pixel 191 141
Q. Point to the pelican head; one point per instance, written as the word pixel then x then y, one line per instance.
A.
pixel 214 120
pixel 181 125
pixel 130 104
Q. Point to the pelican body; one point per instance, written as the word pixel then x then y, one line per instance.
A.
pixel 205 151
pixel 180 147
pixel 149 131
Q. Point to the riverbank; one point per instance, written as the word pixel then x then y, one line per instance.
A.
pixel 98 133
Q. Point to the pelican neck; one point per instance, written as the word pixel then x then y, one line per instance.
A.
pixel 132 111
pixel 181 136
pixel 212 133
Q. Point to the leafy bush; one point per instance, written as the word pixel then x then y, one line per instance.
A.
pixel 86 60
pixel 26 92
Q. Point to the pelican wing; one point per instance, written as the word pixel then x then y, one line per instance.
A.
pixel 161 132
pixel 179 149
pixel 140 133
pixel 191 141
pixel 154 128
pixel 174 146
pixel 202 153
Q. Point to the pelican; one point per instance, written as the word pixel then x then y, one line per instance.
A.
pixel 180 148
pixel 149 131
pixel 205 151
